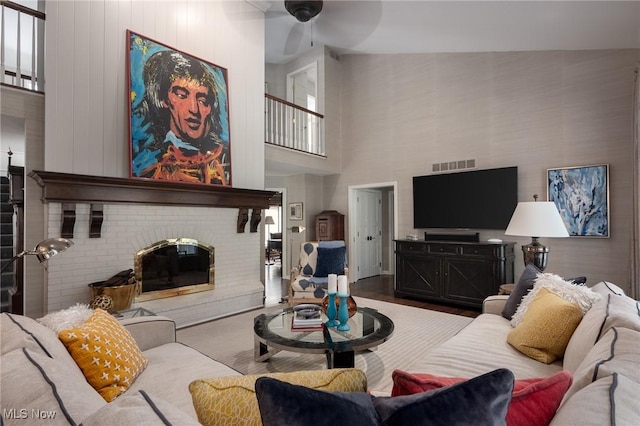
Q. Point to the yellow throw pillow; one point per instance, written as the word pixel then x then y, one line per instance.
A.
pixel 232 400
pixel 106 353
pixel 546 327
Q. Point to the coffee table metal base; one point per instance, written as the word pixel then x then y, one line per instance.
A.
pixel 335 358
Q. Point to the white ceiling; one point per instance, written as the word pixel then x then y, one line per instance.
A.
pixel 397 26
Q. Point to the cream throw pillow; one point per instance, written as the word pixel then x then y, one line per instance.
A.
pixel 583 296
pixel 106 353
pixel 546 327
pixel 67 318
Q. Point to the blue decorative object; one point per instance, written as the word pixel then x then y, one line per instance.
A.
pixel 332 312
pixel 343 313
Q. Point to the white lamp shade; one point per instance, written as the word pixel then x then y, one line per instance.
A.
pixel 269 220
pixel 537 219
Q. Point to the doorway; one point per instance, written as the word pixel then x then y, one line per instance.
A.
pixel 372 229
pixel 302 87
pixel 275 248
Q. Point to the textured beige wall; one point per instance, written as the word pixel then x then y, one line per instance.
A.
pixel 535 110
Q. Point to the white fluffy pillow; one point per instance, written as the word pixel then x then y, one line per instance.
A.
pixel 67 318
pixel 580 294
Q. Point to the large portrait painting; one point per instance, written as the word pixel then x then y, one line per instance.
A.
pixel 179 112
pixel 582 197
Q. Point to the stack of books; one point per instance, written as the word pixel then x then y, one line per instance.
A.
pixel 306 317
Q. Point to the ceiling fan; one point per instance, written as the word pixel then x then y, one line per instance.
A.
pixel 303 10
pixel 337 24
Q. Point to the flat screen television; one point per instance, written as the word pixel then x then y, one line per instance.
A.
pixel 477 199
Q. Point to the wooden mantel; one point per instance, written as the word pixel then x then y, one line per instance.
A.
pixel 69 189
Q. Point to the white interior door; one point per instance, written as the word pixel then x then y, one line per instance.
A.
pixel 369 233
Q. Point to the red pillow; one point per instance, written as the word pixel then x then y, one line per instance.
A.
pixel 533 401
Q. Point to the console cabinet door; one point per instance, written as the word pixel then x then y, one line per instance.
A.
pixel 418 275
pixel 460 273
pixel 468 281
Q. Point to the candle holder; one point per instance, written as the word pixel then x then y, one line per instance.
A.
pixel 343 313
pixel 332 312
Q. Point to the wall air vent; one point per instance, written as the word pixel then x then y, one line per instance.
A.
pixel 453 165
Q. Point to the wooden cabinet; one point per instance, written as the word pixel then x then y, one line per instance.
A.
pixel 329 226
pixel 463 273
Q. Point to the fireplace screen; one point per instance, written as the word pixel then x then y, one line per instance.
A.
pixel 172 267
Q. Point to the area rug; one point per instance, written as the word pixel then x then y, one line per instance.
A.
pixel 417 331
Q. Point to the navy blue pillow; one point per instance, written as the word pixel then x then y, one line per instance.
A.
pixel 483 400
pixel 330 261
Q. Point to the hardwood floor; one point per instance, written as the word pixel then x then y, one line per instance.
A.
pixel 378 288
pixel 381 288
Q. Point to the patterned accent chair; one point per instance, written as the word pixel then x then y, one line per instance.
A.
pixel 317 260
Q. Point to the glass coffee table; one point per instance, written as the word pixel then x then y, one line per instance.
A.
pixel 273 333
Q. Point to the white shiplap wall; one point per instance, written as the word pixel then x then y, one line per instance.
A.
pixel 86 132
pixel 86 82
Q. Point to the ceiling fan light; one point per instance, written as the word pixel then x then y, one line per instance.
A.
pixel 303 10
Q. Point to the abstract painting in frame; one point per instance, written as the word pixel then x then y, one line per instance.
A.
pixel 179 115
pixel 582 197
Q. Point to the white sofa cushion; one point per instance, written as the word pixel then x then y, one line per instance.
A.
pixel 478 348
pixel 38 383
pixel 612 400
pixel 172 367
pixel 23 332
pixel 141 408
pixel 616 351
pixel 612 311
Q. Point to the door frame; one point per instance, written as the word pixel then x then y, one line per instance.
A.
pixel 313 66
pixel 353 221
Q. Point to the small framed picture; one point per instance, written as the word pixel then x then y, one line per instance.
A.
pixel 295 211
pixel 582 197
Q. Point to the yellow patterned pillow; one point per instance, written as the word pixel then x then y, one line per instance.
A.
pixel 232 400
pixel 546 327
pixel 106 353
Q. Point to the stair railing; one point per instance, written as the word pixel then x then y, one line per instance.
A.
pixel 291 126
pixel 21 46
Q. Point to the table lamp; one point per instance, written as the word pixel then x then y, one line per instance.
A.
pixel 269 221
pixel 536 219
pixel 44 250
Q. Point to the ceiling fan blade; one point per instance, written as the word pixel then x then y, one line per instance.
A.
pixel 294 39
pixel 345 25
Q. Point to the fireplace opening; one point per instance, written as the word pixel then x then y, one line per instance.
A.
pixel 172 267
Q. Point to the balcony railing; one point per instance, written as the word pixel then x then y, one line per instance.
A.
pixel 290 126
pixel 21 46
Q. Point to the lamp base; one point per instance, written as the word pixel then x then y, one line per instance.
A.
pixel 535 253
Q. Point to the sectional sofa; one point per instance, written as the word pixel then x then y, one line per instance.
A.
pixel 39 377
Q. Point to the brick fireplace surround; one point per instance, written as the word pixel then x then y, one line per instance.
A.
pixel 136 220
pixel 128 228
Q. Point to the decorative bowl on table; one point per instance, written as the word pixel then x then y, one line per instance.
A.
pixel 352 307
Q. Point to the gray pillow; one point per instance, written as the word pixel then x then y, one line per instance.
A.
pixel 525 283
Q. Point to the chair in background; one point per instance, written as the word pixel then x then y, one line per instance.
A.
pixel 274 247
pixel 317 260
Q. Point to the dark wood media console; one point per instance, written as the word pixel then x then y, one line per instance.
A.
pixel 462 273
